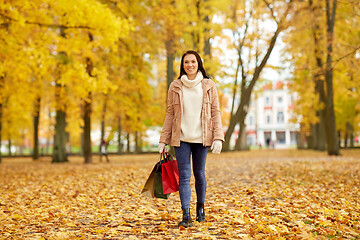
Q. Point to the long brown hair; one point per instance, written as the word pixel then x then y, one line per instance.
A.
pixel 200 64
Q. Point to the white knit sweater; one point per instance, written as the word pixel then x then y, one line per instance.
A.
pixel 191 127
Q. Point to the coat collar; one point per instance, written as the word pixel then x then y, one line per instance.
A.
pixel 206 84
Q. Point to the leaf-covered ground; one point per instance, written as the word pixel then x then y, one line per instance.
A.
pixel 264 194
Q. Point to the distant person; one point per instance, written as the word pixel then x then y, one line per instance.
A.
pixel 68 149
pixel 103 150
pixel 272 144
pixel 192 124
pixel 268 142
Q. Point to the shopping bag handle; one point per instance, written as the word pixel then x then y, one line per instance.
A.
pixel 167 157
pixel 162 155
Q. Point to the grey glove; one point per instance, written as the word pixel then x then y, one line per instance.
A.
pixel 216 146
pixel 163 146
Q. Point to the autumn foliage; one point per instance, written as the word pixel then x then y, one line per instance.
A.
pixel 251 195
pixel 110 61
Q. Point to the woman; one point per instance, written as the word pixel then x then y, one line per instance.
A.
pixel 192 124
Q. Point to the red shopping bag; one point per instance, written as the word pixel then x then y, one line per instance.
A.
pixel 170 174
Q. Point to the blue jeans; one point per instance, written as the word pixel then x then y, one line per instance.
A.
pixel 183 154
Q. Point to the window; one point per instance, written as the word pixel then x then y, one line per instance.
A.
pixel 268 119
pixel 280 99
pixel 280 137
pixel 280 117
pixel 267 101
pixel 251 120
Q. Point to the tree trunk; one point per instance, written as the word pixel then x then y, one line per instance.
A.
pixel 22 145
pixel 9 146
pixel 87 112
pixel 235 87
pixel 241 143
pixel 119 136
pixel 47 147
pixel 59 151
pixel 313 136
pixel 346 137
pixel 87 130
pixel 128 143
pixel 332 139
pixel 102 127
pixel 300 138
pixel 351 139
pixel 82 141
pixel 309 141
pixel 137 143
pixel 36 130
pixel 1 108
pixel 319 135
pixel 207 45
pixel 320 143
pixel 170 75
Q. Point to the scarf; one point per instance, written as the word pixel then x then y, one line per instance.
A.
pixel 192 83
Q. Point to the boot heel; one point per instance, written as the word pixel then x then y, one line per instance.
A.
pixel 200 212
pixel 186 220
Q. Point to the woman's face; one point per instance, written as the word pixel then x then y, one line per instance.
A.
pixel 190 65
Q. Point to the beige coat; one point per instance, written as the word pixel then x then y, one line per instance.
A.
pixel 210 114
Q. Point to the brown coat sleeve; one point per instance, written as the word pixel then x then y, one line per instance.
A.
pixel 218 133
pixel 165 135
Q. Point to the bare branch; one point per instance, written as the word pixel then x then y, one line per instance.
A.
pixel 272 11
pixel 333 61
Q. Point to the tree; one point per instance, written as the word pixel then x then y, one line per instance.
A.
pixel 311 61
pixel 318 132
pixel 253 13
pixel 332 137
pixel 131 101
pixel 64 46
pixel 18 74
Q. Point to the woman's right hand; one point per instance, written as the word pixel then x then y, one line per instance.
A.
pixel 162 146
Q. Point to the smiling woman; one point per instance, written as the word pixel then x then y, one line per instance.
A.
pixel 192 125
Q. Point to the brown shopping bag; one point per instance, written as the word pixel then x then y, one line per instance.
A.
pixel 153 186
pixel 149 186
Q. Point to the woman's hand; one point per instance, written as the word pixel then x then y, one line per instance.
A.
pixel 163 146
pixel 216 146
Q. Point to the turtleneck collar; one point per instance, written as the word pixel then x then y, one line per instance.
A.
pixel 192 83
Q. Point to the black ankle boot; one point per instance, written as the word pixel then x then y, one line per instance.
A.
pixel 186 220
pixel 200 212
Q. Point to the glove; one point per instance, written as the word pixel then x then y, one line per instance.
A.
pixel 216 146
pixel 162 147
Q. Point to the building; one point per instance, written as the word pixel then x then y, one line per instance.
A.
pixel 268 119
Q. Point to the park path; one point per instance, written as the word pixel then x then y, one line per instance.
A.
pixel 251 195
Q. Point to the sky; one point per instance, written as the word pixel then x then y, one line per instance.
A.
pixel 229 58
